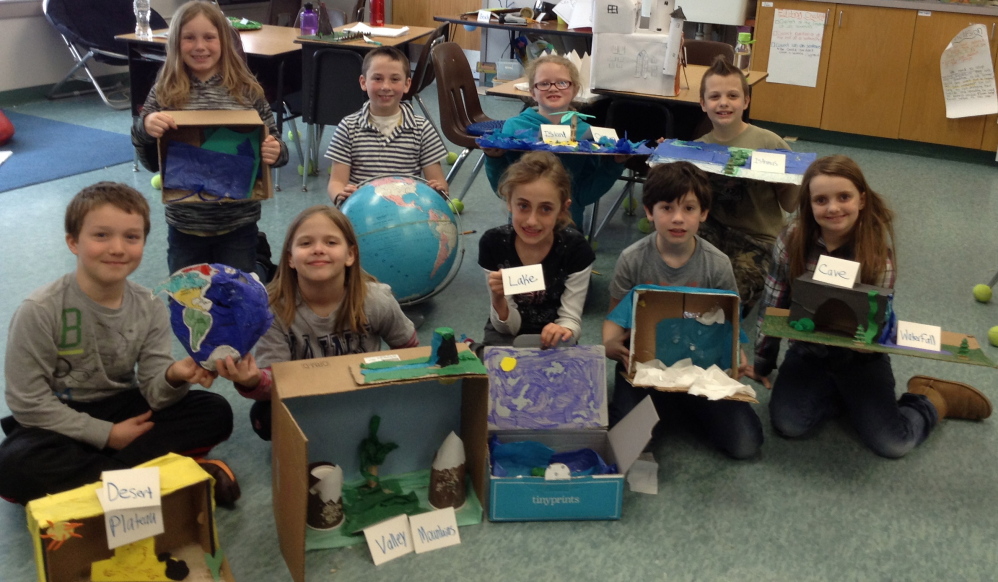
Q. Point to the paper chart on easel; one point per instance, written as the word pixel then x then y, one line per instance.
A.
pixel 795 50
pixel 968 76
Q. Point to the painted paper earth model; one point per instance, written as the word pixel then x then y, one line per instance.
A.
pixel 407 233
pixel 216 311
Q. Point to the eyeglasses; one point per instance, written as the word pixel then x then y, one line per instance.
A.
pixel 545 85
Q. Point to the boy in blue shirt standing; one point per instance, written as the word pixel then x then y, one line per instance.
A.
pixel 89 376
pixel 676 200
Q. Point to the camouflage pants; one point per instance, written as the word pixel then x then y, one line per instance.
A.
pixel 750 258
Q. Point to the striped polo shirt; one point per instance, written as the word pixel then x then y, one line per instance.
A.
pixel 359 144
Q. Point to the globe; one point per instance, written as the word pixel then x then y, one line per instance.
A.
pixel 407 233
pixel 216 311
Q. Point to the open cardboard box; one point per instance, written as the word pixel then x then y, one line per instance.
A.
pixel 653 306
pixel 190 130
pixel 321 413
pixel 188 520
pixel 558 397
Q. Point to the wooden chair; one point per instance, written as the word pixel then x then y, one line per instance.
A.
pixel 423 75
pixel 459 105
pixel 703 52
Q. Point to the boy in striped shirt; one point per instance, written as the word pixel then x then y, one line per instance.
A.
pixel 385 136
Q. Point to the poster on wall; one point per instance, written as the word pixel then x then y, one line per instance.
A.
pixel 795 50
pixel 968 76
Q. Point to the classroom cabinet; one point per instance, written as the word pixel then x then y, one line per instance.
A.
pixel 867 70
pixel 878 75
pixel 791 104
pixel 923 117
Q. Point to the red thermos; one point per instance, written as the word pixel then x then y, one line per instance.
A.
pixel 377 12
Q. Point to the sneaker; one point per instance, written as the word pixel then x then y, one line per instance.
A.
pixel 226 487
pixel 952 399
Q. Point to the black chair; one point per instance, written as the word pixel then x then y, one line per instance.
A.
pixel 335 93
pixel 638 120
pixel 88 28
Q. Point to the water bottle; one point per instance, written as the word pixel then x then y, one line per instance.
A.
pixel 142 10
pixel 377 12
pixel 309 21
pixel 743 52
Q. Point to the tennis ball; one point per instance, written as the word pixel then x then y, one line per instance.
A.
pixel 157 181
pixel 982 293
pixel 630 205
pixel 456 206
pixel 993 336
pixel 644 226
pixel 451 158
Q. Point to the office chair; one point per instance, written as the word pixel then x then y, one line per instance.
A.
pixel 88 28
pixel 332 99
pixel 702 52
pixel 423 75
pixel 460 108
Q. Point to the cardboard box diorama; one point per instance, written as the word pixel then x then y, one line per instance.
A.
pixel 555 401
pixel 214 156
pixel 322 412
pixel 671 324
pixel 639 60
pixel 71 538
pixel 862 316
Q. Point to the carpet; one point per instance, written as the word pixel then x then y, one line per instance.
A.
pixel 47 150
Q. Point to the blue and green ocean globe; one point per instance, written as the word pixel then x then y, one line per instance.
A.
pixel 407 233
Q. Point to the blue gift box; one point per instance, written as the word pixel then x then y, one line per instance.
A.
pixel 558 397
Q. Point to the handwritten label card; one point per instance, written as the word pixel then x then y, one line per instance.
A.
pixel 601 132
pixel 383 358
pixel 132 505
pixel 838 272
pixel 555 134
pixel 769 162
pixel 434 530
pixel 389 539
pixel 484 15
pixel 919 335
pixel 131 488
pixel 522 280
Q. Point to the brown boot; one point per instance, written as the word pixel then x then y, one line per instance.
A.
pixel 226 487
pixel 952 399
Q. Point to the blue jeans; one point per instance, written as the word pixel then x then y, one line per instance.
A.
pixel 816 383
pixel 730 425
pixel 236 249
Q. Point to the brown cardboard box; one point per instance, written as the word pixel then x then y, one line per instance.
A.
pixel 190 129
pixel 188 518
pixel 318 405
pixel 652 305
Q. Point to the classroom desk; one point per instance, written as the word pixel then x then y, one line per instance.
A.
pixel 268 52
pixel 689 93
pixel 689 88
pixel 547 27
pixel 309 47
